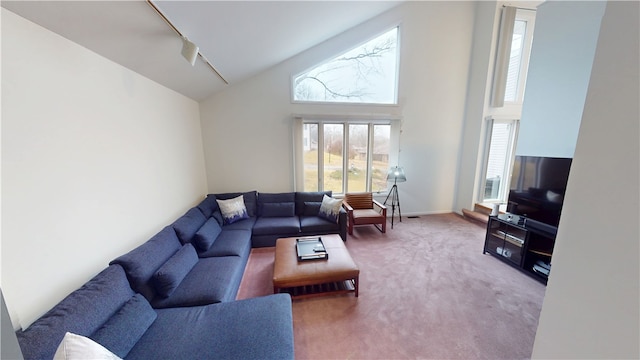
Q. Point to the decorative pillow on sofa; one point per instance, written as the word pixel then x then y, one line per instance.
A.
pixel 171 274
pixel 330 209
pixel 207 234
pixel 284 209
pixel 123 330
pixel 77 347
pixel 233 209
pixel 312 208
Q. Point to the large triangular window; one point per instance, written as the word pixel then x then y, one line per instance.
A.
pixel 365 74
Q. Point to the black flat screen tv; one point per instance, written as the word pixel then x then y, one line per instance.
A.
pixel 537 189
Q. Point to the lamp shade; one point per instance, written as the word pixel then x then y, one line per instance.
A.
pixel 396 174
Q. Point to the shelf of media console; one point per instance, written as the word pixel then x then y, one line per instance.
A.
pixel 525 232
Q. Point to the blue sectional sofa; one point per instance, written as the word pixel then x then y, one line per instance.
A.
pixel 174 295
pixel 109 312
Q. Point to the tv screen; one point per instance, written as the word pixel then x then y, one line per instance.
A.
pixel 537 189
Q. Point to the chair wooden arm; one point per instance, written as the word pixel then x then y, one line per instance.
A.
pixel 346 206
pixel 378 204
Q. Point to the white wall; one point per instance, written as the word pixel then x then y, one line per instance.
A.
pixel 562 53
pixel 247 128
pixel 95 160
pixel 591 307
pixel 482 60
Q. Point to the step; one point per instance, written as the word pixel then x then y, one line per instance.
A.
pixel 475 216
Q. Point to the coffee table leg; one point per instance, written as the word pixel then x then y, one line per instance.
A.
pixel 355 284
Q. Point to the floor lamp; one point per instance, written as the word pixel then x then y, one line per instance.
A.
pixel 397 175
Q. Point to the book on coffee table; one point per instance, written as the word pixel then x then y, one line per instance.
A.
pixel 311 248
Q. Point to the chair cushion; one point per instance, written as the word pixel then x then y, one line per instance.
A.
pixel 123 330
pixel 171 273
pixel 367 216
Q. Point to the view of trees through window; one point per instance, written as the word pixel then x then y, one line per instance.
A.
pixel 354 157
pixel 366 74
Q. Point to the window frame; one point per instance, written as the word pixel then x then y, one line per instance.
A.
pixel 346 120
pixel 529 16
pixel 395 102
pixel 513 139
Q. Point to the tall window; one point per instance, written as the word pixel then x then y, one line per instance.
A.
pixel 519 56
pixel 345 156
pixel 365 74
pixel 500 142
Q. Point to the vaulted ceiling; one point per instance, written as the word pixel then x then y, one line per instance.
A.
pixel 239 38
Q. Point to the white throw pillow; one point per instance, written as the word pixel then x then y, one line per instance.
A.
pixel 233 209
pixel 330 208
pixel 77 347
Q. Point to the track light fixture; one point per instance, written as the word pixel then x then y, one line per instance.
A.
pixel 189 50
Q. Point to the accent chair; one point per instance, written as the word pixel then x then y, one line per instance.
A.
pixel 363 209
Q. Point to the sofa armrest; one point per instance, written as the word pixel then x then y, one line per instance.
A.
pixel 342 222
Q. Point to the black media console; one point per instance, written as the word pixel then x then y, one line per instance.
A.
pixel 523 243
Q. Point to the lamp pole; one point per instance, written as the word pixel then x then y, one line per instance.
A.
pixel 395 201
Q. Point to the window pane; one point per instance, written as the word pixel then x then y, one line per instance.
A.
pixel 357 166
pixel 333 174
pixel 513 74
pixel 380 164
pixel 497 162
pixel 310 154
pixel 366 74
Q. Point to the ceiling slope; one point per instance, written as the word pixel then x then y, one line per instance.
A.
pixel 239 38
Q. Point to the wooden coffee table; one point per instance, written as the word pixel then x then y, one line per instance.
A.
pixel 335 275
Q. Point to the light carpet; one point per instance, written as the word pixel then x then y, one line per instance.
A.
pixel 426 291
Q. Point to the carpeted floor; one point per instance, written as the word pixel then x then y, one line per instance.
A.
pixel 426 291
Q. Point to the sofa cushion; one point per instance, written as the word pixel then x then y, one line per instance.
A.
pixel 330 209
pixel 276 225
pixel 207 235
pixel 250 200
pixel 233 210
pixel 218 216
pixel 188 224
pixel 230 243
pixel 278 209
pixel 245 224
pixel 171 273
pixel 212 280
pixel 317 225
pixel 302 197
pixel 141 263
pixel 208 206
pixel 123 330
pixel 311 208
pixel 257 328
pixel 78 347
pixel 82 312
